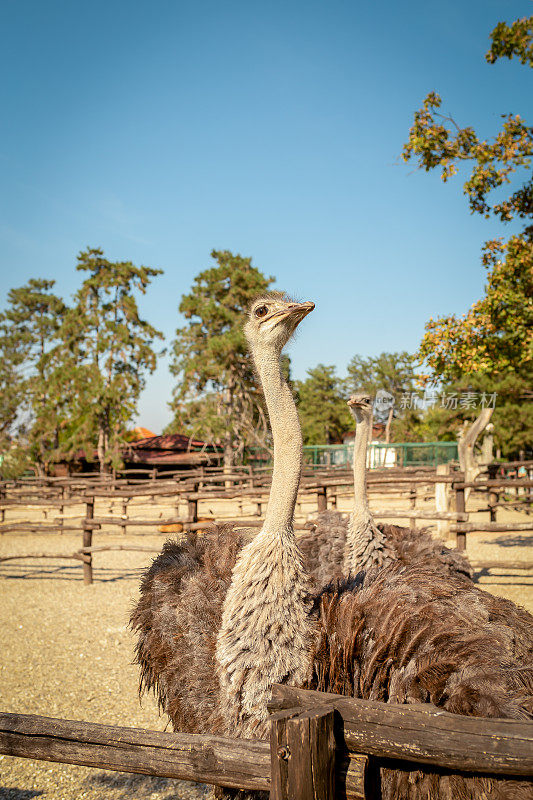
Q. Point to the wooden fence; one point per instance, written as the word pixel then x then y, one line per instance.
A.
pixel 322 746
pixel 323 487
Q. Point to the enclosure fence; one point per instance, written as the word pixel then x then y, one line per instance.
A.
pixel 322 747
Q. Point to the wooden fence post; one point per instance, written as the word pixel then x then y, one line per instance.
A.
pixel 441 501
pixel 321 498
pixel 493 504
pixel 302 753
pixel 192 507
pixel 124 513
pixel 87 542
pixel 493 495
pixel 460 508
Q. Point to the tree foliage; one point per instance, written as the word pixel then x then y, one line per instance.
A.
pixel 495 336
pixel 394 373
pixel 106 352
pixel 216 395
pixel 513 410
pixel 31 409
pixel 435 140
pixel 72 375
pixel 324 415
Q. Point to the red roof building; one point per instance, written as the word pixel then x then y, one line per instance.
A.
pixel 169 450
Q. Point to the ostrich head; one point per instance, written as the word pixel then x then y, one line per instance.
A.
pixel 360 405
pixel 272 320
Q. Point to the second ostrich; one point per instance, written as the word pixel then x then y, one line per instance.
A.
pixel 367 544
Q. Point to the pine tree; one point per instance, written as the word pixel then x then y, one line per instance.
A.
pixel 106 352
pixel 216 396
pixel 323 411
pixel 29 331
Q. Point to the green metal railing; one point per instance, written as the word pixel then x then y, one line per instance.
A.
pixel 380 455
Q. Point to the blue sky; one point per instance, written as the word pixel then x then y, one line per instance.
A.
pixel 161 130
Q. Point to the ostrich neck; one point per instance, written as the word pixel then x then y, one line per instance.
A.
pixel 360 500
pixel 366 546
pixel 287 438
pixel 264 637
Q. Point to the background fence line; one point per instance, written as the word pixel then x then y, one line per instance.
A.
pixel 324 488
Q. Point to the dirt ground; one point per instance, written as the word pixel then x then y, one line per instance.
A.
pixel 66 650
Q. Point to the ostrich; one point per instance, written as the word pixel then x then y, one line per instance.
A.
pixel 368 544
pixel 412 634
pixel 219 621
pixel 338 546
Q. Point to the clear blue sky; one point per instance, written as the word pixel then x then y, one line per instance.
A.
pixel 160 130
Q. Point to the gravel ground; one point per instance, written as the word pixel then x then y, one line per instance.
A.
pixel 66 651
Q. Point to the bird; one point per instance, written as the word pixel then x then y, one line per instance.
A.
pixel 413 634
pixel 368 544
pixel 221 619
pixel 340 546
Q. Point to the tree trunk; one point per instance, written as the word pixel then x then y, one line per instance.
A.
pixel 465 444
pixel 101 449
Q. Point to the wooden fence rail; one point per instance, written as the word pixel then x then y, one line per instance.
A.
pixel 190 488
pixel 321 746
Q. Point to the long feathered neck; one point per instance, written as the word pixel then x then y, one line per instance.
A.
pixel 360 499
pixel 366 546
pixel 265 633
pixel 287 439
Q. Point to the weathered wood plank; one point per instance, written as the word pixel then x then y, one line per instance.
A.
pixel 208 759
pixel 87 540
pixel 495 527
pixel 423 734
pixel 235 763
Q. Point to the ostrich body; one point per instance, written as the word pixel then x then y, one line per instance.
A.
pixel 411 634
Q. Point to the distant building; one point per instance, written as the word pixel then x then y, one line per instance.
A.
pixel 163 453
pixel 169 451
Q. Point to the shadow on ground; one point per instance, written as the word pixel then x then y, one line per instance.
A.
pixel 144 786
pixel 512 541
pixel 27 572
pixel 12 793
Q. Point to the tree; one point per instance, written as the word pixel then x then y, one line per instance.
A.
pixel 29 330
pixel 324 415
pixel 509 393
pixel 105 353
pixel 216 395
pixel 495 335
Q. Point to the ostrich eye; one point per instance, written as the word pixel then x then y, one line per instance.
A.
pixel 262 311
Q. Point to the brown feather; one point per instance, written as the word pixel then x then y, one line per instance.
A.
pixel 409 635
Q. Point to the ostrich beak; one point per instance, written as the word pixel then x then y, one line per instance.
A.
pixel 300 310
pixel 356 401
